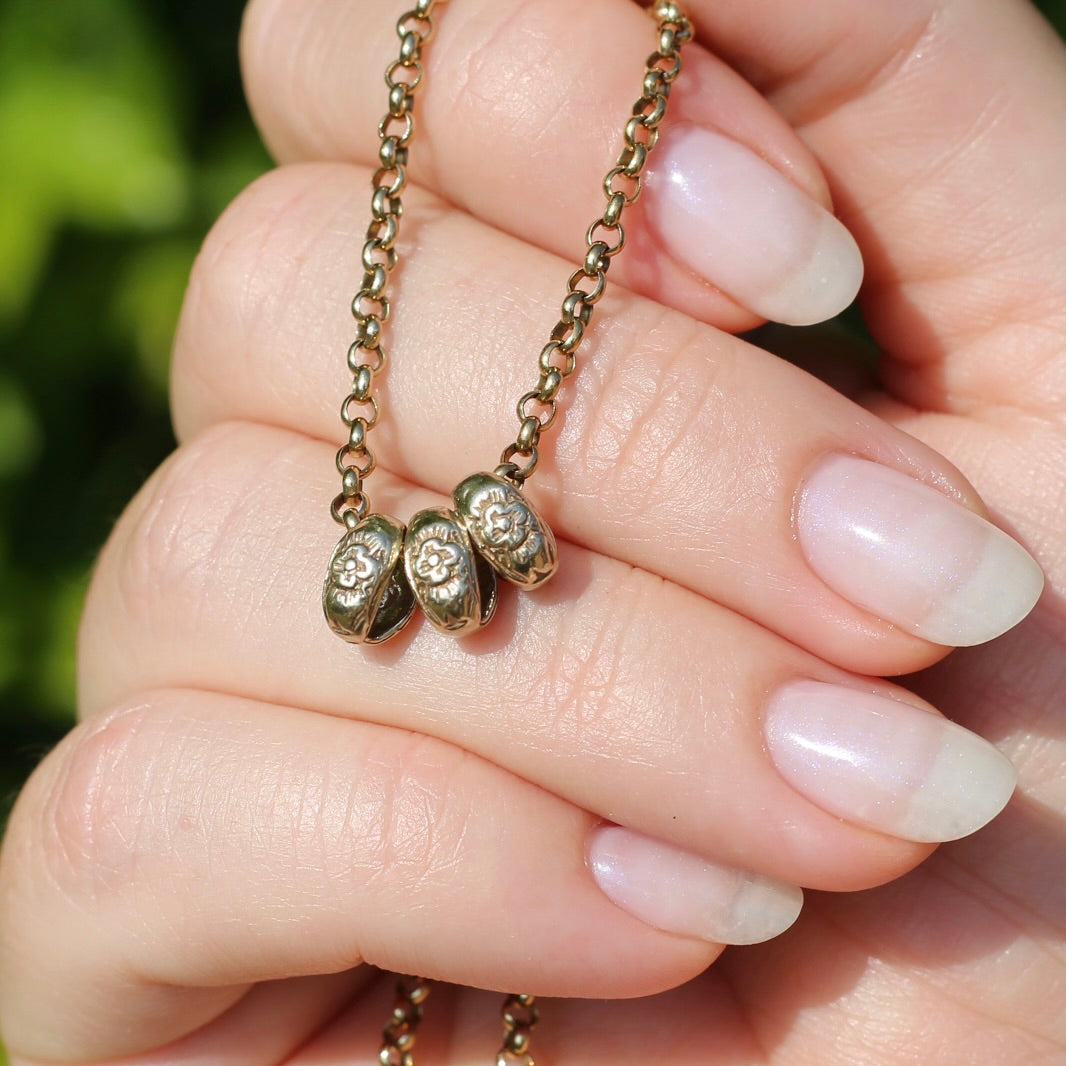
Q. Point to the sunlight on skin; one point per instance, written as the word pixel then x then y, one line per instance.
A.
pixel 274 840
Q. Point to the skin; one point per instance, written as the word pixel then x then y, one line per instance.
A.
pixel 250 809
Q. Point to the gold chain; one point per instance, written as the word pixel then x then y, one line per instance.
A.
pixel 604 239
pixel 370 306
pixel 519 1015
pixel 399 1036
pixel 448 561
pixel 369 595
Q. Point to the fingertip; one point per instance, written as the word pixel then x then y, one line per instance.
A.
pixel 885 763
pixel 738 223
pixel 680 892
pixel 911 554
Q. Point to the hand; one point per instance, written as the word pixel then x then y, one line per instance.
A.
pixel 250 808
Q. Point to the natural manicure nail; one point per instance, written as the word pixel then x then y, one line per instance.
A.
pixel 885 764
pixel 679 892
pixel 738 222
pixel 911 555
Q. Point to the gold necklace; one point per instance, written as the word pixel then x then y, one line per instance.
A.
pixel 448 559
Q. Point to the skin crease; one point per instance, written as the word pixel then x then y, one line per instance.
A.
pixel 182 881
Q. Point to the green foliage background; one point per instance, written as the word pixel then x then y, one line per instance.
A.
pixel 123 134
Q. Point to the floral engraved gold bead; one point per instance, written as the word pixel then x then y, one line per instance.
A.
pixel 437 562
pixel 453 586
pixel 356 570
pixel 366 597
pixel 508 525
pixel 506 529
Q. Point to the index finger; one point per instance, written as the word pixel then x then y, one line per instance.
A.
pixel 745 232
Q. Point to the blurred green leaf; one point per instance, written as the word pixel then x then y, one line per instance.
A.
pixel 55 685
pixel 87 130
pixel 100 153
pixel 25 232
pixel 148 300
pixel 20 431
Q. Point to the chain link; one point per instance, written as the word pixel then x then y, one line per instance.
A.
pixel 604 239
pixel 398 1040
pixel 370 306
pixel 519 1015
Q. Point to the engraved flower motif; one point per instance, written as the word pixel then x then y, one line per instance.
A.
pixel 437 561
pixel 355 566
pixel 507 524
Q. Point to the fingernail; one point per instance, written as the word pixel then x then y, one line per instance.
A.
pixel 679 892
pixel 885 764
pixel 738 222
pixel 911 555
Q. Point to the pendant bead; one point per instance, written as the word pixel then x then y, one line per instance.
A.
pixel 366 597
pixel 506 529
pixel 454 587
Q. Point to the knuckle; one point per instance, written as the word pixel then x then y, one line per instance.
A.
pixel 93 811
pixel 172 563
pixel 417 817
pixel 653 421
pixel 268 239
pixel 175 537
pixel 510 73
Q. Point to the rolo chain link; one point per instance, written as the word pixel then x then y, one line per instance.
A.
pixel 604 239
pixel 519 1015
pixel 399 1036
pixel 370 306
pixel 449 561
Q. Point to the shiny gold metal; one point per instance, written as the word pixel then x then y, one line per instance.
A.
pixel 371 307
pixel 519 1014
pixel 368 594
pixel 366 598
pixel 451 582
pixel 444 567
pixel 604 239
pixel 506 529
pixel 398 1039
pixel 370 610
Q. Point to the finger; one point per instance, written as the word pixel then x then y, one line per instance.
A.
pixel 682 451
pixel 920 123
pixel 700 730
pixel 520 119
pixel 196 844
